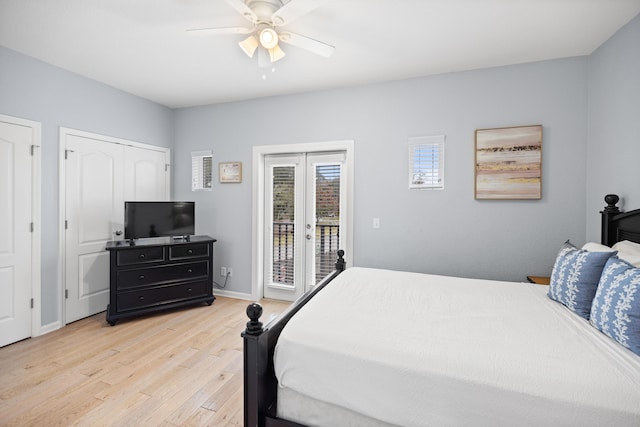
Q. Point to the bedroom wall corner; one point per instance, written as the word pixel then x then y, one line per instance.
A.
pixel 38 91
pixel 613 145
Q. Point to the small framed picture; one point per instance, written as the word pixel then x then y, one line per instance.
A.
pixel 230 172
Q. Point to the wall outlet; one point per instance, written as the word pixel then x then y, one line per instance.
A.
pixel 376 223
pixel 230 271
pixel 223 271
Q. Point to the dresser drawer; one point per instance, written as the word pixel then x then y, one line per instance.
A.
pixel 161 295
pixel 162 274
pixel 188 251
pixel 140 256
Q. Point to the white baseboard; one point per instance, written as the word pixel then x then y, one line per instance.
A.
pixel 232 294
pixel 53 326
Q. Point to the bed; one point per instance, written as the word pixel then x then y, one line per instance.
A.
pixel 451 351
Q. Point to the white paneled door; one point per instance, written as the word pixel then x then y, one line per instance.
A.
pixel 100 175
pixel 18 141
pixel 305 221
pixel 146 179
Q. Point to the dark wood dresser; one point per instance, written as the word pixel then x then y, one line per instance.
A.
pixel 159 273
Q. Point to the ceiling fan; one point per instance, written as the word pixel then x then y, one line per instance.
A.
pixel 267 17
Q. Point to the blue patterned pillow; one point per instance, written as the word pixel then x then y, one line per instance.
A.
pixel 575 277
pixel 616 306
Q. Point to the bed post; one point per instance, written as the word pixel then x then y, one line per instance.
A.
pixel 260 383
pixel 341 264
pixel 608 236
pixel 255 359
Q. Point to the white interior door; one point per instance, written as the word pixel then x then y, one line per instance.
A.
pixel 16 230
pixel 145 172
pixel 304 221
pixel 100 174
pixel 94 213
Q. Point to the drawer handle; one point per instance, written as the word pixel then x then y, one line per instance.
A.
pixel 189 270
pixel 188 289
pixel 141 256
pixel 141 277
pixel 190 251
pixel 141 298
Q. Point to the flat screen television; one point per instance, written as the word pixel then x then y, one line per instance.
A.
pixel 156 219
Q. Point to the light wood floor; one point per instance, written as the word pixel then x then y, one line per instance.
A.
pixel 171 369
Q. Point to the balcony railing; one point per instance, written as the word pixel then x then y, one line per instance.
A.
pixel 327 245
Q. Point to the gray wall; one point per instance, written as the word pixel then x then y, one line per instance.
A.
pixel 34 90
pixel 613 150
pixel 444 232
pixel 589 108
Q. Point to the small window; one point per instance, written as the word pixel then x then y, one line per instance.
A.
pixel 426 162
pixel 201 170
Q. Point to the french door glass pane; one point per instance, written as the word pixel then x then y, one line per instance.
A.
pixel 327 208
pixel 283 225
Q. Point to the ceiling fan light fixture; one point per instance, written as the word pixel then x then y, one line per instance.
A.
pixel 249 45
pixel 276 54
pixel 268 38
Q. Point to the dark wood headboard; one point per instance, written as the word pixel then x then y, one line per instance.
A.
pixel 618 225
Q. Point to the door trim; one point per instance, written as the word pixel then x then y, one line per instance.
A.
pixel 36 218
pixel 257 229
pixel 62 199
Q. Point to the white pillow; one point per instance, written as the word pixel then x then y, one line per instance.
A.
pixel 628 251
pixel 596 247
pixel 628 246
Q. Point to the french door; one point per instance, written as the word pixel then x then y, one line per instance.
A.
pixel 305 220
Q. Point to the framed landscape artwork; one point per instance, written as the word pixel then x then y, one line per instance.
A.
pixel 509 163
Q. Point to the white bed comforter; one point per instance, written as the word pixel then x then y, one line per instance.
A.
pixel 424 350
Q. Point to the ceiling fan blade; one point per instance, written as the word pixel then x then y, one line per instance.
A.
pixel 244 10
pixel 312 45
pixel 293 10
pixel 219 31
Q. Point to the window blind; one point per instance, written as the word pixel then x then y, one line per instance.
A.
pixel 201 170
pixel 283 224
pixel 426 162
pixel 327 204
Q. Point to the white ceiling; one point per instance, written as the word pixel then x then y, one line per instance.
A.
pixel 141 47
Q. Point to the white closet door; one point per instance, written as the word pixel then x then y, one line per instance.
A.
pixel 15 234
pixel 100 174
pixel 94 213
pixel 145 174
